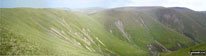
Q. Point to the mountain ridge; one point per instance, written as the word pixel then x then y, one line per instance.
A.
pixel 116 32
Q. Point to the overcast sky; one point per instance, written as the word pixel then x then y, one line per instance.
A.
pixel 198 5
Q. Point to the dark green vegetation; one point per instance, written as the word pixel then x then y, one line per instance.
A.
pixel 191 24
pixel 126 31
pixel 185 52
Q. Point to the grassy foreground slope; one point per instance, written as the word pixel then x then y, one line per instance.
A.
pixel 27 31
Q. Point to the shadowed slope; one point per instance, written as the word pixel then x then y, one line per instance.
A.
pixel 141 28
pixel 190 23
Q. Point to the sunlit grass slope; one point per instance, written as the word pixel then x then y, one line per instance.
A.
pixel 27 31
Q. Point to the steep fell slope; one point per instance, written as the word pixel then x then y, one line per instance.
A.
pixel 190 23
pixel 137 26
pixel 27 31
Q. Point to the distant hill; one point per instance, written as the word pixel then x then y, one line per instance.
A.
pixel 183 8
pixel 88 10
pixel 202 12
pixel 64 9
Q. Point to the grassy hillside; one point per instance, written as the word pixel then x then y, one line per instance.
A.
pixel 139 27
pixel 88 10
pixel 27 31
pixel 190 23
pixel 126 31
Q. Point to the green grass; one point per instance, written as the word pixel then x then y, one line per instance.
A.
pixel 141 33
pixel 57 32
pixel 26 31
pixel 185 52
pixel 29 31
pixel 187 22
